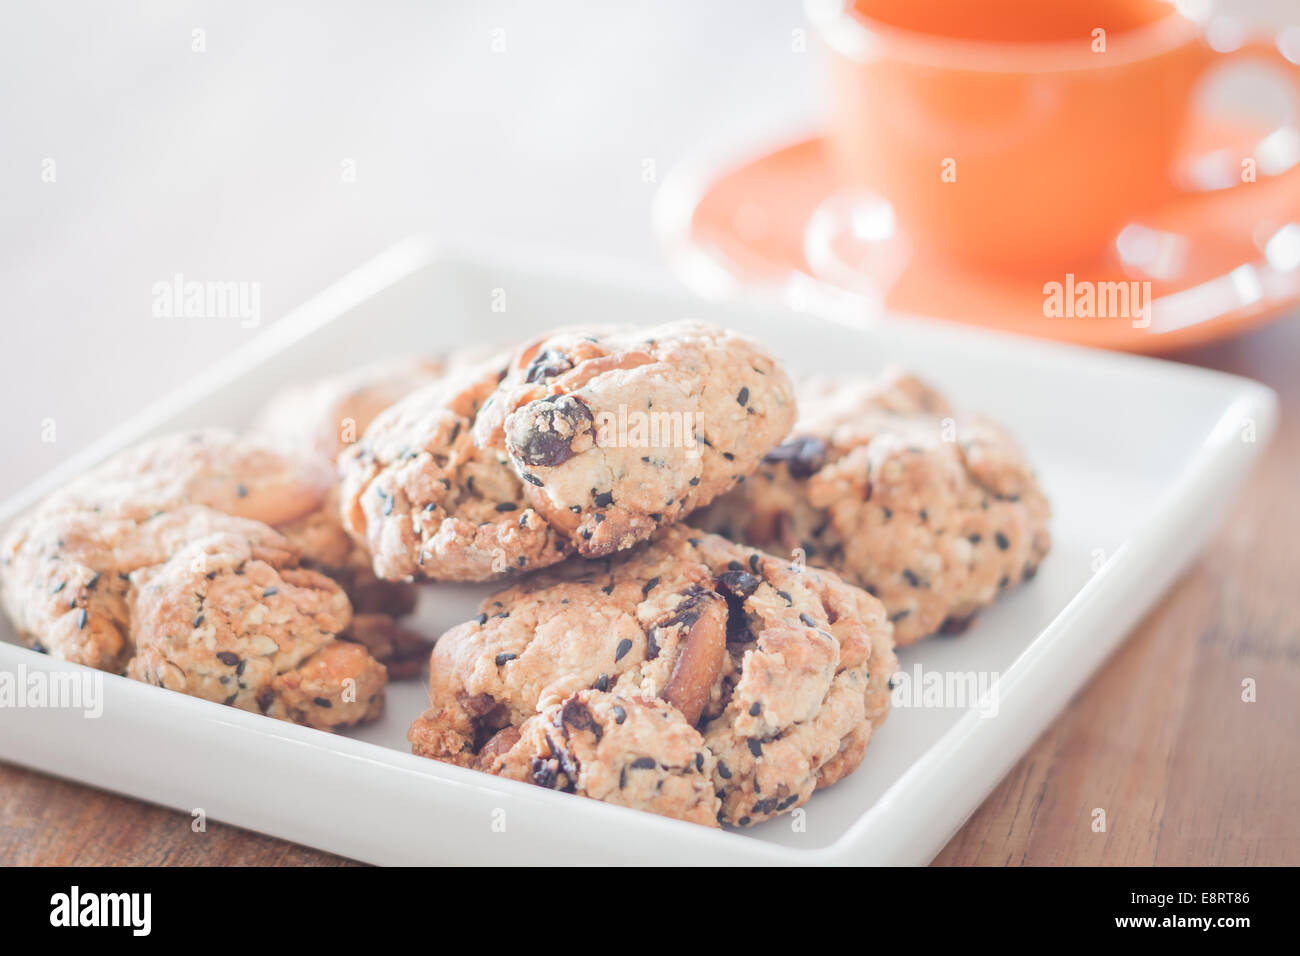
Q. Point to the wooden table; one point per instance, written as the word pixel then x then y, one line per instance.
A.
pixel 1160 739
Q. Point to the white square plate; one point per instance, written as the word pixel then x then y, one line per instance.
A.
pixel 1139 458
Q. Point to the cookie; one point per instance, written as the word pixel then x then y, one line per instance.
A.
pixel 214 467
pixel 327 415
pixel 934 513
pixel 777 673
pixel 627 751
pixel 230 621
pixel 248 476
pixel 427 502
pixel 583 442
pixel 65 576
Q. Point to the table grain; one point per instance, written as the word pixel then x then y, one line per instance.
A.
pixel 1185 771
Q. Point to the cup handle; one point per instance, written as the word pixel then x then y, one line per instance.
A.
pixel 1274 155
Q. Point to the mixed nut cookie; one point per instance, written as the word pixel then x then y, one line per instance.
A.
pixel 214 467
pixel 229 620
pixel 327 415
pixel 248 476
pixel 879 481
pixel 628 751
pixel 194 600
pixel 65 577
pixel 692 677
pixel 583 442
pixel 428 502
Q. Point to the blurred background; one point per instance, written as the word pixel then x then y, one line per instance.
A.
pixel 285 144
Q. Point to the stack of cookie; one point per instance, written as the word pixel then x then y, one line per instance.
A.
pixel 216 564
pixel 703 588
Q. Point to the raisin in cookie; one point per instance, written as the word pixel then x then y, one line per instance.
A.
pixel 776 673
pixel 881 482
pixel 585 441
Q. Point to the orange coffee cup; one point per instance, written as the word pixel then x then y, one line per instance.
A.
pixel 1015 134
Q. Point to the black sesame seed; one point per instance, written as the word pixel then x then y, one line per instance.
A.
pixel 270 592
pixel 807 619
pixel 81 619
pixel 506 506
pixel 973 538
pixel 533 480
pixel 229 658
pixel 602 682
pixel 482 619
pixel 198 622
pixel 786 595
pixel 755 747
pixel 743 397
pixel 604 499
pixel 59 587
pixel 502 658
pixel 753 563
pixel 694 482
pixel 323 702
pixel 649 586
pixel 241 491
pixel 755 709
pixel 1002 541
pixel 620 714
pixel 723 771
pixel 643 763
pixel 624 646
pixel 911 577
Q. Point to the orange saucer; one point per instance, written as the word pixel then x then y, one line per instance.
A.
pixel 1218 262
